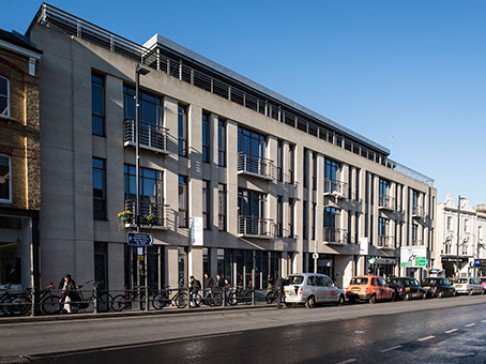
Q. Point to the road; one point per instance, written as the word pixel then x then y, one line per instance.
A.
pixel 433 331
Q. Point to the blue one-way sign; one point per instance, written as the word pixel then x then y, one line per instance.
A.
pixel 139 239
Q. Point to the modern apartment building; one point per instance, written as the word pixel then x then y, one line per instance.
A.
pixel 460 237
pixel 278 188
pixel 20 195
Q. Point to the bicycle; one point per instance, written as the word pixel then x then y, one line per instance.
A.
pixel 17 303
pixel 241 295
pixel 125 300
pixel 104 299
pixel 213 298
pixel 272 295
pixel 163 299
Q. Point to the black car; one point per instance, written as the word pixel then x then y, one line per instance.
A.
pixel 406 288
pixel 439 287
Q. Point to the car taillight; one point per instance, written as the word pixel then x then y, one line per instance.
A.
pixel 300 291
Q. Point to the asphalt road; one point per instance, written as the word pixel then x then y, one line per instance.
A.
pixel 433 331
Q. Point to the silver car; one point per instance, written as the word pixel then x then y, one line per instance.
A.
pixel 312 289
pixel 468 285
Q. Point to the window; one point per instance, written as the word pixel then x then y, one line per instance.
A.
pixel 182 131
pixel 279 226
pixel 382 225
pixel 305 219
pixel 98 105
pixel 291 163
pixel 183 202
pixel 222 207
pixel 150 107
pixel 150 184
pixel 206 138
pixel 99 189
pixel 251 203
pixel 415 233
pixel 466 226
pixel 206 207
pixel 314 172
pixel 221 143
pixel 330 217
pixel 382 189
pixel 4 97
pixel 449 223
pixel 291 218
pixel 5 179
pixel 314 217
pixel 280 161
pixel 306 168
pixel 251 143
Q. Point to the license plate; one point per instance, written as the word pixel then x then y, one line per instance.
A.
pixel 459 286
pixel 355 289
pixel 287 291
pixel 427 287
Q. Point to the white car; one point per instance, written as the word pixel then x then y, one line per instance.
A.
pixel 312 289
pixel 468 285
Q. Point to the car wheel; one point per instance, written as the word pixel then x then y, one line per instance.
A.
pixel 392 297
pixel 340 300
pixel 288 305
pixel 424 295
pixel 484 291
pixel 440 295
pixel 311 302
pixel 471 292
pixel 373 299
pixel 407 296
pixel 352 301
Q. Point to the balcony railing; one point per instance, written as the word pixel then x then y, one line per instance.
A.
pixel 256 166
pixel 255 227
pixel 417 241
pixel 335 236
pixel 335 188
pixel 151 214
pixel 385 241
pixel 418 211
pixel 386 203
pixel 149 136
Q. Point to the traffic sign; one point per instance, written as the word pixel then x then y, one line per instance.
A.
pixel 140 239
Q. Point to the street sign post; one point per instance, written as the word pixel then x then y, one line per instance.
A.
pixel 139 239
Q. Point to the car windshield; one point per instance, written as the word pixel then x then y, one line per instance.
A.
pixel 395 281
pixel 462 280
pixel 483 280
pixel 431 282
pixel 295 279
pixel 359 280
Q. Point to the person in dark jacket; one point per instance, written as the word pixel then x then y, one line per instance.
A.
pixel 194 287
pixel 68 292
pixel 208 284
pixel 219 281
pixel 280 283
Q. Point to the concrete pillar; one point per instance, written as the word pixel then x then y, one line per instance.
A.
pixel 195 262
pixel 352 228
pixel 232 177
pixel 299 172
pixel 376 211
pixel 116 265
pixel 271 203
pixel 171 176
pixel 343 268
pixel 171 266
pixel 320 198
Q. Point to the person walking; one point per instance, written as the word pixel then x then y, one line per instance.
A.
pixel 194 287
pixel 280 283
pixel 219 281
pixel 68 292
pixel 208 285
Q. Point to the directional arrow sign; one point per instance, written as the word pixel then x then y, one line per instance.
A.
pixel 139 239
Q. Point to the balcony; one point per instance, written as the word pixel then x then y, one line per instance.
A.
pixel 386 203
pixel 153 215
pixel 256 166
pixel 386 242
pixel 418 212
pixel 255 227
pixel 150 136
pixel 417 242
pixel 335 236
pixel 334 188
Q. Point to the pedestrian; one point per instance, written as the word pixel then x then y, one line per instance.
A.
pixel 280 283
pixel 68 292
pixel 208 285
pixel 227 289
pixel 219 281
pixel 194 287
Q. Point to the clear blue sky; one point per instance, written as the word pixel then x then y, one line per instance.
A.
pixel 410 75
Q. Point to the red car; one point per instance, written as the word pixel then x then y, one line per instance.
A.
pixel 369 288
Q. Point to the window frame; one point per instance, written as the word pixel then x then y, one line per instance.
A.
pixel 221 142
pixel 105 215
pixel 182 135
pixel 206 212
pixel 7 115
pixel 101 115
pixel 10 199
pixel 206 137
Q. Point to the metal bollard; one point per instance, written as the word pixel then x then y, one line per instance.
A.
pixel 224 296
pixel 188 298
pixel 253 297
pixel 146 298
pixel 33 302
pixel 95 300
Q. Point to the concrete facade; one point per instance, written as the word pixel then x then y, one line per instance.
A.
pixel 456 252
pixel 243 249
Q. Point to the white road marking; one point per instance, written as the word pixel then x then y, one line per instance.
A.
pixel 359 332
pixel 471 325
pixel 451 331
pixel 425 338
pixel 348 361
pixel 390 349
pixel 483 320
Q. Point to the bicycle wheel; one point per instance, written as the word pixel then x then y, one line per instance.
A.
pixel 218 298
pixel 50 305
pixel 160 301
pixel 271 296
pixel 20 306
pixel 5 305
pixel 232 299
pixel 181 299
pixel 118 303
pixel 248 297
pixel 198 300
pixel 104 301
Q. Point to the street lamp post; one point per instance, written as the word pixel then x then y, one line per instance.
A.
pixel 458 233
pixel 139 70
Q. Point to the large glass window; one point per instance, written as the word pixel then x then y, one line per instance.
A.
pixel 5 178
pixel 291 218
pixel 182 131
pixel 331 170
pixel 150 184
pixel 291 163
pixel 222 143
pixel 305 220
pixel 150 106
pixel 251 143
pixel 183 202
pixel 99 189
pixel 330 217
pixel 280 161
pixel 206 207
pixel 250 203
pixel 382 188
pixel 98 105
pixel 306 168
pixel 279 226
pixel 382 225
pixel 4 96
pixel 222 207
pixel 206 138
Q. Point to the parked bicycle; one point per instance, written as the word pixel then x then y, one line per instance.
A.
pixel 213 298
pixel 14 302
pixel 241 295
pixel 126 300
pixel 163 298
pixel 78 301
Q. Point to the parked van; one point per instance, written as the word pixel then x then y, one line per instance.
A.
pixel 312 289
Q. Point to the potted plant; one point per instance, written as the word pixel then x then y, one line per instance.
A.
pixel 151 219
pixel 126 216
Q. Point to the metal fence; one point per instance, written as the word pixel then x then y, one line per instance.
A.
pixel 256 166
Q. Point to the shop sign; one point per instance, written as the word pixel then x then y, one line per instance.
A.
pixel 197 231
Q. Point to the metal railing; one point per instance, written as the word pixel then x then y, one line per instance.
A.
pixel 335 236
pixel 256 166
pixel 386 203
pixel 254 226
pixel 385 241
pixel 201 76
pixel 335 188
pixel 418 211
pixel 151 136
pixel 150 214
pixel 417 241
